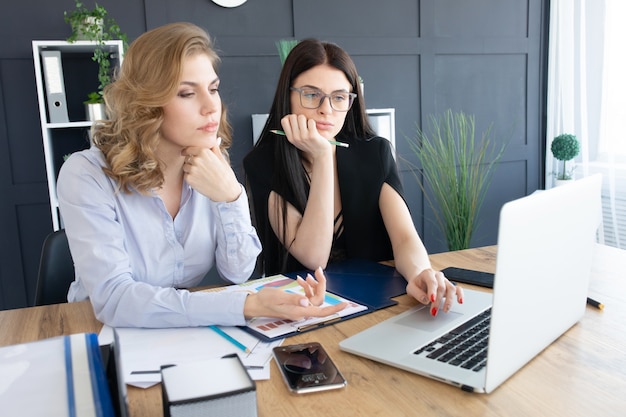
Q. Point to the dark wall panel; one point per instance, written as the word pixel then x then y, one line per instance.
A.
pixel 267 18
pixel 247 87
pixel 484 82
pixel 30 217
pixel 363 18
pixel 24 205
pixel 393 82
pixel 23 130
pixel 480 18
pixel 491 87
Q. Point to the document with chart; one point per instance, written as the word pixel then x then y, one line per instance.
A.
pixel 271 328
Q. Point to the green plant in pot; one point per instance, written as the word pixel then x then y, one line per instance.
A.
pixel 456 172
pixel 565 147
pixel 95 25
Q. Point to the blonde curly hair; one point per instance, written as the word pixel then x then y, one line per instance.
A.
pixel 148 79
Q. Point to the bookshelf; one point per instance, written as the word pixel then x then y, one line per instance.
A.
pixel 62 136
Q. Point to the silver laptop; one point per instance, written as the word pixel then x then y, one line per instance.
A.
pixel 545 248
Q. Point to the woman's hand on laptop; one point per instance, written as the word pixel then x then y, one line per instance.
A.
pixel 432 287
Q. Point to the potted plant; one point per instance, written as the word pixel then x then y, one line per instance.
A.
pixel 95 25
pixel 565 147
pixel 456 172
pixel 94 106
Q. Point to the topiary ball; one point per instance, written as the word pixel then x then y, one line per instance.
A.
pixel 565 147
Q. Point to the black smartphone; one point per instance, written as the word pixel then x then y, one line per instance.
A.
pixel 307 368
pixel 469 276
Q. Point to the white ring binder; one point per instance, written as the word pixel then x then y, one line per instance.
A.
pixel 55 86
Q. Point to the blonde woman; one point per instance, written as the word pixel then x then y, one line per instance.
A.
pixel 154 204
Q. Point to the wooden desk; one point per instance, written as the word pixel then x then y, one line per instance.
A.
pixel 581 374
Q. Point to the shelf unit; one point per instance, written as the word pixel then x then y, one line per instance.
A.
pixel 80 74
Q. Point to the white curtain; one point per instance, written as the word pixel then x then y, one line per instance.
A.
pixel 587 98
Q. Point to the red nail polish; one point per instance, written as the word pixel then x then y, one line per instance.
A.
pixel 433 312
pixel 461 300
pixel 432 298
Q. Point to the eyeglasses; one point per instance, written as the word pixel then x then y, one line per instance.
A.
pixel 312 98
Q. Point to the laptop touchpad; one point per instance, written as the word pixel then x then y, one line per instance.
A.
pixel 421 319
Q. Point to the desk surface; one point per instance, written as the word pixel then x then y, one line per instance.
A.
pixel 583 373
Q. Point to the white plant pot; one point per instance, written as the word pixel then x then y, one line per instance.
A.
pixel 95 111
pixel 558 183
pixel 89 21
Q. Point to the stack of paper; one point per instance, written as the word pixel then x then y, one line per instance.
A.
pixel 144 351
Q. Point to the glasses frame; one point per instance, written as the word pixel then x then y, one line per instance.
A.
pixel 324 96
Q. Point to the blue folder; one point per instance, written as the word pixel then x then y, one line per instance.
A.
pixel 362 281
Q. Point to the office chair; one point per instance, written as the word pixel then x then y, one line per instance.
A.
pixel 56 270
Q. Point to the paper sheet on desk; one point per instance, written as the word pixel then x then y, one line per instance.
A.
pixel 145 350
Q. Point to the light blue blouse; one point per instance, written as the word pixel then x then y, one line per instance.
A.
pixel 133 261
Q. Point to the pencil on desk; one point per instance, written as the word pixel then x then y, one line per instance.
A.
pixel 595 303
pixel 229 338
pixel 332 142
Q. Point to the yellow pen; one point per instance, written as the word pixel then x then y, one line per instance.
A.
pixel 595 303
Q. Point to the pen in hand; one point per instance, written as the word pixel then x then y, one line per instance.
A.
pixel 332 142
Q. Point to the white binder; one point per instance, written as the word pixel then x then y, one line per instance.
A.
pixel 60 376
pixel 55 86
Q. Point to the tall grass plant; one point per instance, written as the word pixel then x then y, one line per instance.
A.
pixel 457 169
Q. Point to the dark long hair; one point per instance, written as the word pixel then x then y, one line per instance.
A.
pixel 290 178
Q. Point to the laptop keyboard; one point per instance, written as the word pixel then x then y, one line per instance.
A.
pixel 464 346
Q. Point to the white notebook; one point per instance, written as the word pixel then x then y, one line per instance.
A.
pixel 60 376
